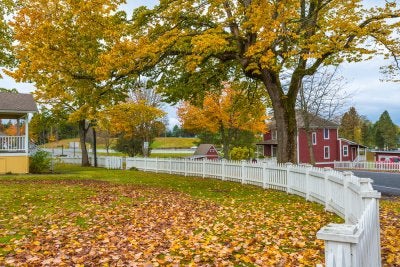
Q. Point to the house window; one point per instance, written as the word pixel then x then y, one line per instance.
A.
pixel 326 152
pixel 274 135
pixel 345 151
pixel 273 151
pixel 326 133
pixel 314 138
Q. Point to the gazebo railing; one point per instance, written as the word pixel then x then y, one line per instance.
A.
pixel 12 143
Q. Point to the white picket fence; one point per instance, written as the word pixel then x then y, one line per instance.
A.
pixel 366 165
pixel 355 243
pixel 115 163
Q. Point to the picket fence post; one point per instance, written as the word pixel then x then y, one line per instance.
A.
pixel 346 180
pixel 308 183
pixel 243 172
pixel 288 165
pixel 204 168
pixel 170 165
pixel 185 166
pixel 328 192
pixel 156 165
pixel 223 178
pixel 265 175
pixel 145 164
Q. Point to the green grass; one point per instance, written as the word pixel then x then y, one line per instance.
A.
pixel 78 203
pixel 174 142
pixel 170 155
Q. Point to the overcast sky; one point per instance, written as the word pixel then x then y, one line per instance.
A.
pixel 370 97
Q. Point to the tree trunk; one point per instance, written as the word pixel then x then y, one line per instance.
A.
pixel 94 147
pixel 225 142
pixel 82 137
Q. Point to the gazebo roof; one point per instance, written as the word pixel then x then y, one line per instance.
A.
pixel 14 105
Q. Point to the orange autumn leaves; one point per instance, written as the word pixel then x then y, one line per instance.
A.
pixel 230 109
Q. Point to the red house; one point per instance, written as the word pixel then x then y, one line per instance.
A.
pixel 326 144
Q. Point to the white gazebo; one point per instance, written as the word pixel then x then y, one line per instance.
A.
pixel 14 149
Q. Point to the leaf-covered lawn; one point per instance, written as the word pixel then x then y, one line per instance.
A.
pixel 390 231
pixel 97 217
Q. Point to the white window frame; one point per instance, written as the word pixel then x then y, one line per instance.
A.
pixel 326 130
pixel 274 151
pixel 346 151
pixel 274 135
pixel 329 152
pixel 314 138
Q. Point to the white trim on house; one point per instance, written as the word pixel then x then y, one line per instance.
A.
pixel 12 154
pixel 274 135
pixel 329 152
pixel 327 131
pixel 314 138
pixel 340 149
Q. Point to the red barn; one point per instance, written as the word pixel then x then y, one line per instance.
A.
pixel 326 144
pixel 206 151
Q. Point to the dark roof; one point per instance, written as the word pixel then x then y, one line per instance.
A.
pixel 351 143
pixel 268 142
pixel 314 121
pixel 14 103
pixel 203 149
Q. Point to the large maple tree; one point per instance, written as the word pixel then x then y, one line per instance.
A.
pixel 59 48
pixel 191 46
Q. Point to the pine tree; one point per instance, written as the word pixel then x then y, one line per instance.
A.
pixel 385 132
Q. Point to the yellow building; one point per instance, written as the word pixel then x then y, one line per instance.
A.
pixel 14 148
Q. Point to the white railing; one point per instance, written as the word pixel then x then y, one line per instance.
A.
pixel 355 243
pixel 366 165
pixel 12 143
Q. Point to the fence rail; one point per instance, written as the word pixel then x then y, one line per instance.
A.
pixel 12 143
pixel 116 163
pixel 367 165
pixel 355 243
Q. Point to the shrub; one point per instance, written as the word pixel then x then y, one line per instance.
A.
pixel 40 162
pixel 241 153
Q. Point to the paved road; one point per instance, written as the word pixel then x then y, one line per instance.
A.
pixel 387 183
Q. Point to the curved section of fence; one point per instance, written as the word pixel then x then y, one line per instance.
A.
pixel 355 243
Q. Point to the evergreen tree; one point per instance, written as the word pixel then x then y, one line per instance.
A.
pixel 351 126
pixel 386 132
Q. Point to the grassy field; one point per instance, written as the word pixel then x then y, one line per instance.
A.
pixel 100 217
pixel 174 142
pixel 159 142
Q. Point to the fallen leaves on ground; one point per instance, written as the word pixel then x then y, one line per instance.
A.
pixel 132 225
pixel 390 231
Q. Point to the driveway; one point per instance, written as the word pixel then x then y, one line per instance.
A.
pixel 385 182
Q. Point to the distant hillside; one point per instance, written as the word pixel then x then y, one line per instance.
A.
pixel 159 142
pixel 174 142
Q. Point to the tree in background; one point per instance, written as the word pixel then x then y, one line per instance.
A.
pixel 59 47
pixel 135 123
pixel 46 126
pixel 351 126
pixel 6 57
pixel 188 47
pixel 228 113
pixel 367 131
pixel 386 132
pixel 321 96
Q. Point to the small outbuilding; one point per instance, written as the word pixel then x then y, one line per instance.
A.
pixel 207 151
pixel 14 149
